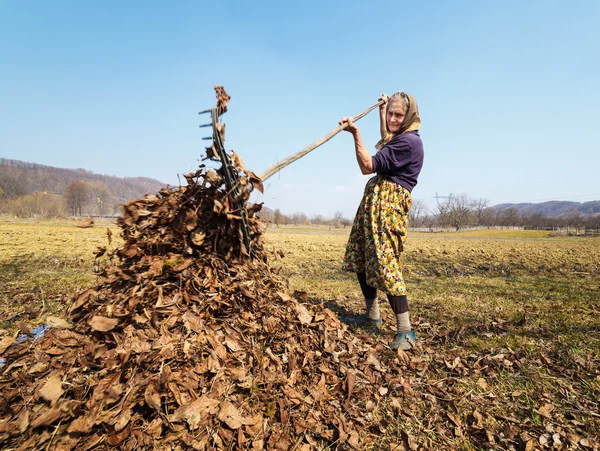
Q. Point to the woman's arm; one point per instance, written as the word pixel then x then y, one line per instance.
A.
pixel 363 157
pixel 382 116
pixel 365 161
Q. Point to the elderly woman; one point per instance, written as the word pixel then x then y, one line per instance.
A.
pixel 377 238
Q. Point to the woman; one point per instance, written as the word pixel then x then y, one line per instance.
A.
pixel 377 238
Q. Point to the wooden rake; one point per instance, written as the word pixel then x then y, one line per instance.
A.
pixel 289 160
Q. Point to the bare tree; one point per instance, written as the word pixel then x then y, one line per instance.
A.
pixel 593 222
pixel 346 222
pixel 76 196
pixel 574 219
pixel 338 217
pixel 480 210
pixel 279 218
pixel 317 219
pixel 509 217
pixel 267 215
pixel 11 187
pixel 417 211
pixel 100 198
pixel 456 211
pixel 534 220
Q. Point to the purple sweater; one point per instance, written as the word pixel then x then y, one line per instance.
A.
pixel 401 159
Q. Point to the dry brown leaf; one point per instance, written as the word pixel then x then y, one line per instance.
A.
pixel 155 428
pixel 237 161
pixel 82 299
pixel 245 290
pixel 58 323
pixel 195 411
pixel 284 296
pixel 82 424
pixel 47 416
pixel 123 419
pixel 152 397
pixel 5 343
pixel 23 421
pixel 103 324
pixel 304 315
pixel 353 439
pixel 233 344
pixel 546 410
pixel 130 250
pixel 256 181
pixel 255 424
pixel 117 438
pixel 198 237
pixel 477 420
pixel 412 443
pixel 455 418
pixel 25 328
pixel 374 362
pixel 403 356
pixel 230 415
pixel 52 389
pixel 556 440
pixel 220 350
pixel 482 383
pixel 190 220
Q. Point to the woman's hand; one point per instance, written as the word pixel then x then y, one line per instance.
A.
pixel 385 99
pixel 350 127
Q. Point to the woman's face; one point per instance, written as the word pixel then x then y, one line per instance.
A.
pixel 395 115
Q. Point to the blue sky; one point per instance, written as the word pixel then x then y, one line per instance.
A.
pixel 508 91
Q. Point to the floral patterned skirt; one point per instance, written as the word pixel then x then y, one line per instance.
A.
pixel 377 238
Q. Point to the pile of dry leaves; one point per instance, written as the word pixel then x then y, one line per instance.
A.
pixel 188 344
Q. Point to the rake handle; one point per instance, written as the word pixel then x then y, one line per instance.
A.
pixel 289 160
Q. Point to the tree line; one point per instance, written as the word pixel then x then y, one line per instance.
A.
pixel 277 218
pixel 453 212
pixel 460 211
pixel 19 178
pixel 80 198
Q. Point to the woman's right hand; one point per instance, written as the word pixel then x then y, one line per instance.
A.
pixel 349 123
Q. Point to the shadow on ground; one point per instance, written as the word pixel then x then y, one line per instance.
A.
pixel 342 313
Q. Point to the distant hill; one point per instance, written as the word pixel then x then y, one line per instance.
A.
pixel 18 178
pixel 554 208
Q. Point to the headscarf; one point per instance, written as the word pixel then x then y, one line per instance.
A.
pixel 411 122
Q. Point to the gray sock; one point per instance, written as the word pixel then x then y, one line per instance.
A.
pixel 372 308
pixel 403 322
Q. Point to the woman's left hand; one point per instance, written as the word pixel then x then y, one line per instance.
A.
pixel 384 97
pixel 350 127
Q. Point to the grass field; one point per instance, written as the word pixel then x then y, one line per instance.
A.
pixel 507 321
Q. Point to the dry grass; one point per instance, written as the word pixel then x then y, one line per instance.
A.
pixel 42 264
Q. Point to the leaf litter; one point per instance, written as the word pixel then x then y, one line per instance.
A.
pixel 188 343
